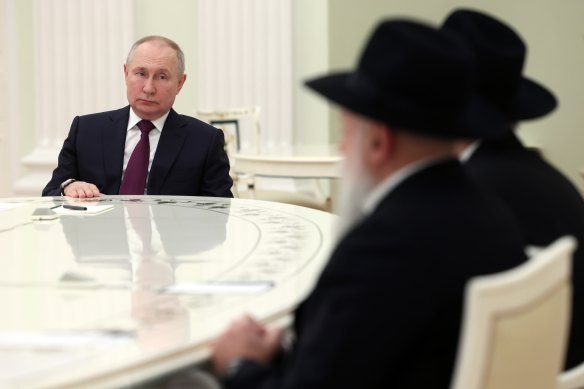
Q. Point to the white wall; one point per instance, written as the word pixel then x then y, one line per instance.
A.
pixel 4 167
pixel 245 59
pixel 16 134
pixel 175 19
pixel 311 58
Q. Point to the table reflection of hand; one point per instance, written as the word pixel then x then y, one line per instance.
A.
pixel 83 202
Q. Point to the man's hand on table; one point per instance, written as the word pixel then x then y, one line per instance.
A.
pixel 248 339
pixel 81 190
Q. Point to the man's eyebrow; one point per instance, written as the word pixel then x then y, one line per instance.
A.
pixel 145 69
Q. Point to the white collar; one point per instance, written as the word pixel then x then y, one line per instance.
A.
pixel 469 151
pixel 393 181
pixel 134 119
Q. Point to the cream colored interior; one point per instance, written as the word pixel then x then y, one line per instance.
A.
pixel 327 35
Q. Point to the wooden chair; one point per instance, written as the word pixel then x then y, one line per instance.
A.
pixel 244 123
pixel 515 324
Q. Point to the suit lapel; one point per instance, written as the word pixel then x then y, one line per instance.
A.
pixel 113 145
pixel 171 141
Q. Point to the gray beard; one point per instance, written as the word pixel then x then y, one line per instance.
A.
pixel 356 184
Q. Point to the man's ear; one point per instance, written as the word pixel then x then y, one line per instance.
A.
pixel 181 82
pixel 380 144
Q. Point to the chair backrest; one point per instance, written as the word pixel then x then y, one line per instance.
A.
pixel 515 324
pixel 232 122
pixel 573 378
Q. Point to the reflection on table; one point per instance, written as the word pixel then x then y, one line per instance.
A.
pixel 140 290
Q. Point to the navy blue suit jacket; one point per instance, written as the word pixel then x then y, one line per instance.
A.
pixel 387 309
pixel 547 206
pixel 190 159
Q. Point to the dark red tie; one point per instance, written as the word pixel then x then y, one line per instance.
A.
pixel 134 180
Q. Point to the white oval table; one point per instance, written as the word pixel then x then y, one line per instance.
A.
pixel 114 298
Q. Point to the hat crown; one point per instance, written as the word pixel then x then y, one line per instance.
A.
pixel 417 65
pixel 500 53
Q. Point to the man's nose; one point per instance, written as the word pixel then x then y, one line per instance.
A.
pixel 149 87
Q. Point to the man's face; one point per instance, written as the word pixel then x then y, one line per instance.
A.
pixel 356 181
pixel 152 79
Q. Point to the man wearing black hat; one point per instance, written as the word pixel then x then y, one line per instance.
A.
pixel 387 309
pixel 545 203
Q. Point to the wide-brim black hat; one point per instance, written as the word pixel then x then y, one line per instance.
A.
pixel 414 77
pixel 500 53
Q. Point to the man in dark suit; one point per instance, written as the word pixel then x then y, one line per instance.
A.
pixel 386 311
pixel 545 202
pixel 110 153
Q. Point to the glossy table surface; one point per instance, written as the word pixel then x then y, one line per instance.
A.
pixel 110 299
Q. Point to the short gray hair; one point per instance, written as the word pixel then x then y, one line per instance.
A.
pixel 180 56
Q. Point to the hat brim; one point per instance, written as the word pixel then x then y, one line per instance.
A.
pixel 531 101
pixel 478 119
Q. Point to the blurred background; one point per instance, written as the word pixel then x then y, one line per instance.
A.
pixel 62 58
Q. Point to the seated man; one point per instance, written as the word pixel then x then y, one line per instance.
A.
pixel 387 309
pixel 146 147
pixel 546 204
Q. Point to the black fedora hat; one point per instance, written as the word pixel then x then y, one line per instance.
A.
pixel 417 78
pixel 500 53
